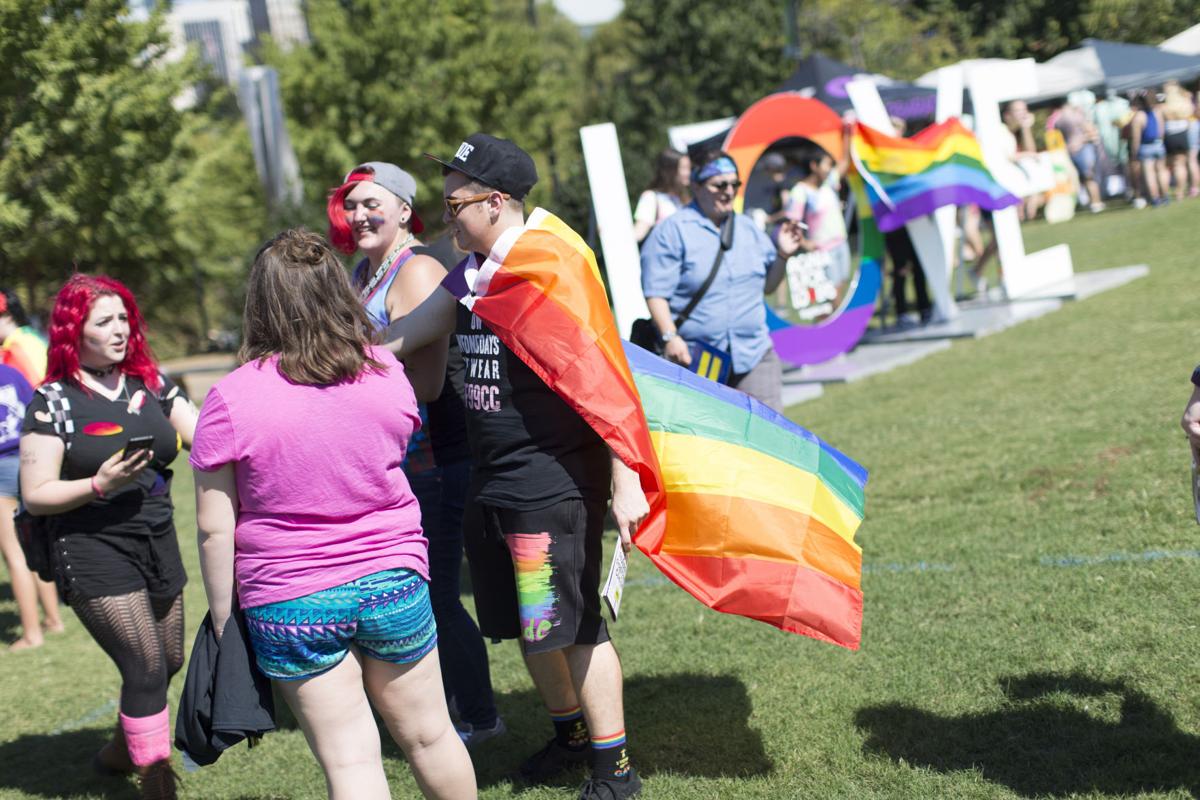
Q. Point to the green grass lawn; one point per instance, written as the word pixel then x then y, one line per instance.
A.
pixel 1031 576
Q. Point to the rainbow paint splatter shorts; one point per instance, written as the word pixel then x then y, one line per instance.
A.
pixel 387 615
pixel 536 573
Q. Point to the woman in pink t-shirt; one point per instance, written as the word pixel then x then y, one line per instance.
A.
pixel 304 512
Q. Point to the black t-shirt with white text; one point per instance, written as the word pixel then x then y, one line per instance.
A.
pixel 101 428
pixel 530 449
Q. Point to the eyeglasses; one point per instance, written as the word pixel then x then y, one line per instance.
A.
pixel 455 205
pixel 723 186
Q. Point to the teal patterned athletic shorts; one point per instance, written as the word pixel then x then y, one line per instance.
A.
pixel 387 615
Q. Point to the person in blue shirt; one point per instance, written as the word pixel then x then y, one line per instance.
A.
pixel 677 258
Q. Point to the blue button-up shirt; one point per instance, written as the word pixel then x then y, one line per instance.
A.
pixel 676 259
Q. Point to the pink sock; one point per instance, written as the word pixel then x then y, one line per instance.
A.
pixel 148 738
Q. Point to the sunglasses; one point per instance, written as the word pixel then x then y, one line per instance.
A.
pixel 723 186
pixel 455 205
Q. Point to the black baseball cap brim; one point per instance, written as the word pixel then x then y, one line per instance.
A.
pixel 448 167
pixel 493 162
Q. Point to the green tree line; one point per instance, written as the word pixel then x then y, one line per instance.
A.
pixel 114 158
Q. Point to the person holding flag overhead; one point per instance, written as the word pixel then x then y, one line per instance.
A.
pixel 704 272
pixel 543 469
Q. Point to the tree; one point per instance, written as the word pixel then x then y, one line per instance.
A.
pixel 1044 28
pixel 895 38
pixel 390 81
pixel 95 155
pixel 670 62
pixel 217 208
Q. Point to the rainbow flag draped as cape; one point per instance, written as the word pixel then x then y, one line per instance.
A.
pixel 908 178
pixel 749 513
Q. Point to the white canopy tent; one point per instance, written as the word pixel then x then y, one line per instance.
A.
pixel 1052 79
pixel 1185 42
pixel 681 136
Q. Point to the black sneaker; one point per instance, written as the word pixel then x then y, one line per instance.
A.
pixel 611 788
pixel 550 762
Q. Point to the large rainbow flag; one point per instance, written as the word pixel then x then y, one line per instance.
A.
pixel 908 178
pixel 749 513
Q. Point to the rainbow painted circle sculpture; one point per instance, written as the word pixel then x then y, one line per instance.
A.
pixel 789 114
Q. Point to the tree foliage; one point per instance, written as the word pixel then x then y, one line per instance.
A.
pixel 390 81
pixel 95 156
pixel 896 38
pixel 1044 28
pixel 670 62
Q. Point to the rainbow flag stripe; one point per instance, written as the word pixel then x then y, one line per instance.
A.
pixel 761 514
pixel 909 178
pixel 749 513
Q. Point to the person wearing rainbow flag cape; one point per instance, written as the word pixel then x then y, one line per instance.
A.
pixel 542 475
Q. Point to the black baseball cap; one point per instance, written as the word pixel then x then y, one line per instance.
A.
pixel 493 162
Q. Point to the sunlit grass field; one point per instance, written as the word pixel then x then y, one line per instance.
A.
pixel 1032 570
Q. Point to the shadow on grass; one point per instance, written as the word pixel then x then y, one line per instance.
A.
pixel 1046 741
pixel 685 724
pixel 60 766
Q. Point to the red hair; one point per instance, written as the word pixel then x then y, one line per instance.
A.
pixel 340 234
pixel 71 309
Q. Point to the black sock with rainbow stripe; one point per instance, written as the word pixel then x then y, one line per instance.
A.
pixel 610 759
pixel 570 730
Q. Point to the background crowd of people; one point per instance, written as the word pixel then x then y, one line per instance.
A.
pixel 1140 149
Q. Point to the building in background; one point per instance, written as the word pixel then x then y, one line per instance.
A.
pixel 278 169
pixel 226 35
pixel 220 30
pixel 282 20
pixel 226 32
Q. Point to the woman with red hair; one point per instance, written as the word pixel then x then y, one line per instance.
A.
pixel 96 446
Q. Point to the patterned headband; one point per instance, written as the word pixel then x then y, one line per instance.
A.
pixel 721 166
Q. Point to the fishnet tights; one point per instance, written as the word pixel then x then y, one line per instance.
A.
pixel 144 637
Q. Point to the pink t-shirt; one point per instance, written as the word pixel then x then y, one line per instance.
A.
pixel 322 496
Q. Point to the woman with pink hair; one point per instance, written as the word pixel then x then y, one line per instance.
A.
pixel 96 446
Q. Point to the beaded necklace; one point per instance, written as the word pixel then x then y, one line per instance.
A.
pixel 384 266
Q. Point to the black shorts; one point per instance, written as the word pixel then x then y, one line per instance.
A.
pixel 88 565
pixel 536 574
pixel 1176 143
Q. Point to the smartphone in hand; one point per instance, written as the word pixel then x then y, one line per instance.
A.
pixel 135 445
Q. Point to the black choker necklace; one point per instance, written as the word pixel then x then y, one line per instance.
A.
pixel 98 373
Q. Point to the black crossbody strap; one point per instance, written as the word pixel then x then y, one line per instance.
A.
pixel 726 243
